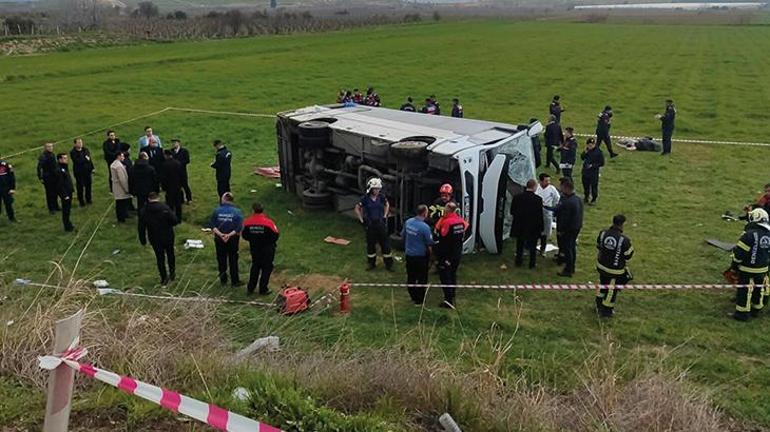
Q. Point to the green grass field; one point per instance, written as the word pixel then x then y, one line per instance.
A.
pixel 501 71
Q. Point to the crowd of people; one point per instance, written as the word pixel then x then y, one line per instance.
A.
pixel 371 98
pixel 136 187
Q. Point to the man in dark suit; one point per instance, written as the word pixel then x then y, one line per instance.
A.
pixel 527 211
pixel 183 156
pixel 142 180
pixel 157 221
pixel 171 174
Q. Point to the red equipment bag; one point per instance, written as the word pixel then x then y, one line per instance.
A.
pixel 293 300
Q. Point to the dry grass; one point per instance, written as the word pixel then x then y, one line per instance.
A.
pixel 157 343
pixel 424 385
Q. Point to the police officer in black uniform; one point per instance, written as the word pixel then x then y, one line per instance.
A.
pixel 372 212
pixel 593 160
pixel 156 221
pixel 47 168
pixel 555 109
pixel 408 105
pixel 667 125
pixel 83 168
pixel 7 189
pixel 554 137
pixel 111 147
pixel 614 250
pixel 568 153
pixel 64 189
pixel 569 222
pixel 751 259
pixel 603 125
pixel 221 164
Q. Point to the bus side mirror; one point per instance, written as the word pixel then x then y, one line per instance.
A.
pixel 535 129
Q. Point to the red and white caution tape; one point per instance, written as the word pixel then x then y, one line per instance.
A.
pixel 690 140
pixel 210 414
pixel 553 287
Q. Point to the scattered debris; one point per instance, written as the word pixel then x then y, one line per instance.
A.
pixel 269 343
pixel 101 283
pixel 448 423
pixel 728 216
pixel 206 229
pixel 269 172
pixel 253 191
pixel 291 213
pixel 241 394
pixel 116 251
pixel 107 291
pixel 725 246
pixel 9 323
pixel 548 248
pixel 503 267
pixel 278 185
pixel 22 281
pixel 193 244
pixel 337 241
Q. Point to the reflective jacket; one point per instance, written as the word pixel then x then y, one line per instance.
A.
pixel 614 250
pixel 451 233
pixel 752 252
pixel 261 233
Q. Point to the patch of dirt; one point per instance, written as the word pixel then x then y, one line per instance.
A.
pixel 313 282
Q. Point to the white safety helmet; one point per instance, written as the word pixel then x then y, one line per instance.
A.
pixel 758 216
pixel 373 183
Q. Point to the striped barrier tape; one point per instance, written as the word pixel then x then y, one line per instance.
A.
pixel 210 414
pixel 553 287
pixel 689 140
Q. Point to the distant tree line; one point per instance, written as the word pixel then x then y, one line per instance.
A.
pixel 147 21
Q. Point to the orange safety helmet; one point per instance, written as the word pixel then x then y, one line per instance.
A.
pixel 446 188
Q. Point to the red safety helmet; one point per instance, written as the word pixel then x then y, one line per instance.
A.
pixel 446 188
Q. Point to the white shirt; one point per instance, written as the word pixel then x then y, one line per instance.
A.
pixel 550 196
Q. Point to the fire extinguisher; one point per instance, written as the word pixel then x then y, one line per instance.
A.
pixel 345 298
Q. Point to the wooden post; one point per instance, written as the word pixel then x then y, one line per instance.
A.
pixel 61 380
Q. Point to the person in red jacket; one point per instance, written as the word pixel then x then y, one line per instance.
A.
pixel 451 233
pixel 262 235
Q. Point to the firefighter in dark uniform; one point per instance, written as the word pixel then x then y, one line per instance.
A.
pixel 7 189
pixel 751 258
pixel 554 137
pixel 438 208
pixel 47 168
pixel 667 125
pixel 262 234
pixel 373 211
pixel 614 250
pixel 555 109
pixel 449 250
pixel 603 125
pixel 64 189
pixel 221 164
pixel 156 222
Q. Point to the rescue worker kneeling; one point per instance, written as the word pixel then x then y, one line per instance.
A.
pixel 372 212
pixel 751 257
pixel 451 233
pixel 614 250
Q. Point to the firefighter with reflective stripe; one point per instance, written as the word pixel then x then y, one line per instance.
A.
pixel 614 250
pixel 262 234
pixel 373 211
pixel 7 189
pixel 451 233
pixel 751 257
pixel 437 210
